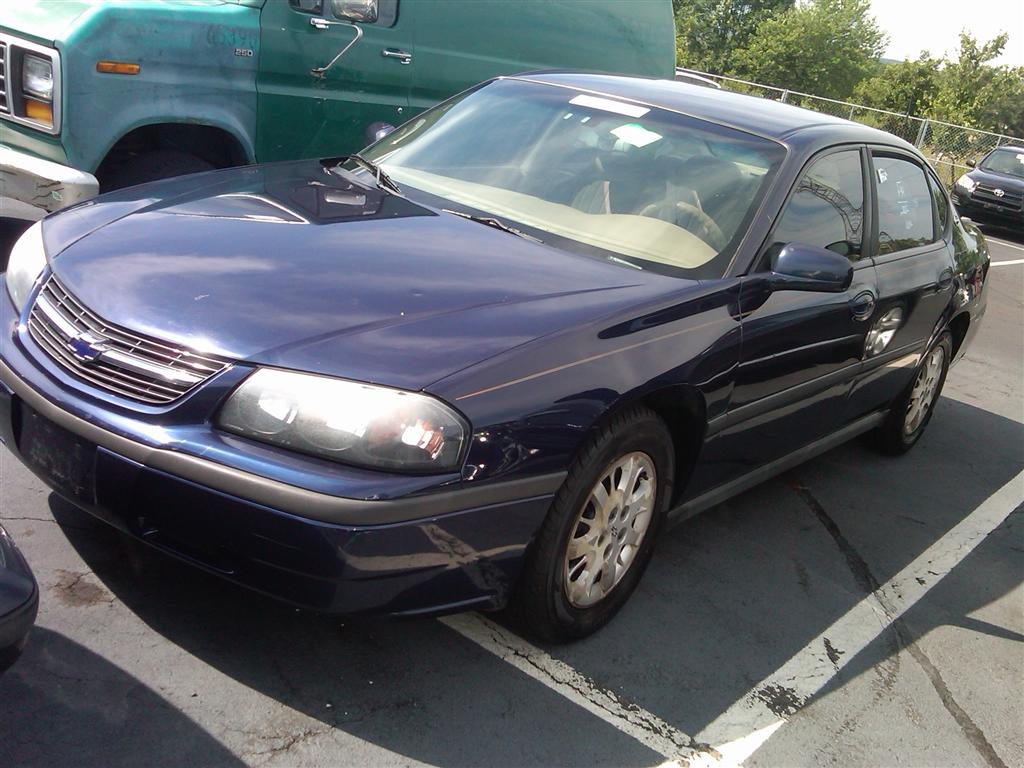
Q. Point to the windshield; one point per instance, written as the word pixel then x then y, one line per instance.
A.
pixel 633 183
pixel 1008 161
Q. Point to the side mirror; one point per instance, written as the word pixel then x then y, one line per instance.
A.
pixel 971 162
pixel 803 267
pixel 363 11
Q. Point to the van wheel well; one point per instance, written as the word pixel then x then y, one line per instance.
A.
pixel 214 147
pixel 958 328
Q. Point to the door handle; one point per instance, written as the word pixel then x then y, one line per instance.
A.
pixel 945 279
pixel 403 57
pixel 862 305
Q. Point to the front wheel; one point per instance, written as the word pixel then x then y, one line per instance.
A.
pixel 600 532
pixel 912 411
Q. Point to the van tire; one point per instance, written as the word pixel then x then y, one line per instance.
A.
pixel 155 165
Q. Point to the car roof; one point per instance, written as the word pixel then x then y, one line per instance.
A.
pixel 764 117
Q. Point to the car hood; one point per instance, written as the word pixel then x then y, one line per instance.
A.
pixel 296 266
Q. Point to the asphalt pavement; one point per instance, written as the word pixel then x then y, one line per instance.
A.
pixel 857 611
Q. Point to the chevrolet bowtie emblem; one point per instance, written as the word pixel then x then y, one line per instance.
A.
pixel 86 347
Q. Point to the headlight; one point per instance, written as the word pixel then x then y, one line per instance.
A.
pixel 26 263
pixel 966 183
pixel 37 77
pixel 347 421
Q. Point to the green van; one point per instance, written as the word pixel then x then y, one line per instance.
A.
pixel 96 94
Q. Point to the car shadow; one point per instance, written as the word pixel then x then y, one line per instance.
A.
pixel 61 704
pixel 730 596
pixel 1003 233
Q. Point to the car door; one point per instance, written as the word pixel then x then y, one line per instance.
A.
pixel 800 350
pixel 913 259
pixel 302 114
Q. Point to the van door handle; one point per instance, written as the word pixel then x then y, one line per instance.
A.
pixel 403 57
pixel 862 305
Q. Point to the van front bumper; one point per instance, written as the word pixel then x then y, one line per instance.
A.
pixel 430 553
pixel 31 187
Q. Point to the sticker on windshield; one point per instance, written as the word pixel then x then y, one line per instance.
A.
pixel 608 105
pixel 635 135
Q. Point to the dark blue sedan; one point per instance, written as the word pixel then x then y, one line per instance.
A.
pixel 483 363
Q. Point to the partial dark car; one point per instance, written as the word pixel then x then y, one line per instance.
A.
pixel 19 601
pixel 483 363
pixel 993 191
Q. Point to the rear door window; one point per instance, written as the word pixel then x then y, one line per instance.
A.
pixel 905 218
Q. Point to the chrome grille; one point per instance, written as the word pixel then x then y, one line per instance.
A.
pixel 112 358
pixel 3 79
pixel 1009 200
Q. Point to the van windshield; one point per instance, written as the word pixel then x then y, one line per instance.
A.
pixel 654 188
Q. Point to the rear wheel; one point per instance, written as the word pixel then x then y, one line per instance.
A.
pixel 910 414
pixel 600 532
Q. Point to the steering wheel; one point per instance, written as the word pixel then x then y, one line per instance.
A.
pixel 692 219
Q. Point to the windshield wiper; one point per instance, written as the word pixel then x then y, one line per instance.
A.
pixel 490 221
pixel 383 180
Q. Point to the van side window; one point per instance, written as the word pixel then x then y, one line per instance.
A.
pixel 941 203
pixel 827 207
pixel 905 217
pixel 308 6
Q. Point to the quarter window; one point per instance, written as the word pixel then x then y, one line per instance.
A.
pixel 827 207
pixel 941 203
pixel 904 205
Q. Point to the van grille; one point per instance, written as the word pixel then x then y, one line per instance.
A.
pixel 112 358
pixel 4 104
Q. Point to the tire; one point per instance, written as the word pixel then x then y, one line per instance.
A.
pixel 548 602
pixel 154 165
pixel 905 424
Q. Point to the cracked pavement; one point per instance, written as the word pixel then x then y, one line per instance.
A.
pixel 139 659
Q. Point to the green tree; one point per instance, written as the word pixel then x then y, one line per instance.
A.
pixel 823 47
pixel 708 31
pixel 908 87
pixel 974 93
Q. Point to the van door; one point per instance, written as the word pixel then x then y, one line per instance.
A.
pixel 303 115
pixel 463 42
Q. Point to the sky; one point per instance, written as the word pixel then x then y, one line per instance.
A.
pixel 934 25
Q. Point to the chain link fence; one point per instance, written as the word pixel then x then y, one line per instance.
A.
pixel 948 147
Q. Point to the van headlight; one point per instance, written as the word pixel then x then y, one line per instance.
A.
pixel 26 262
pixel 37 76
pixel 347 421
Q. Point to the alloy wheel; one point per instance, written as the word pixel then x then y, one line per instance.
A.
pixel 926 385
pixel 609 529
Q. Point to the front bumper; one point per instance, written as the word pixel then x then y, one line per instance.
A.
pixel 987 212
pixel 387 548
pixel 466 558
pixel 37 187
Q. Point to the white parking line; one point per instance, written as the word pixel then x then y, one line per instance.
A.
pixel 1003 242
pixel 1007 263
pixel 818 662
pixel 746 725
pixel 647 728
